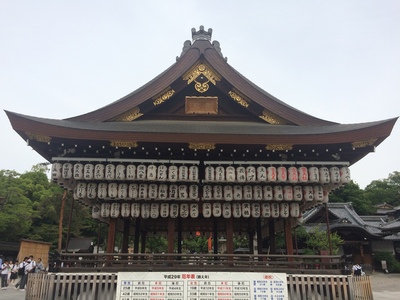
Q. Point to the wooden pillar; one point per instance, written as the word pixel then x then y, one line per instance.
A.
pixel 112 229
pixel 215 236
pixel 272 243
pixel 288 237
pixel 125 236
pixel 259 236
pixel 171 235
pixel 179 236
pixel 137 236
pixel 143 242
pixel 229 236
pixel 251 241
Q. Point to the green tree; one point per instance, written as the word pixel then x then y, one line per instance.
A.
pixel 317 240
pixel 351 192
pixel 386 190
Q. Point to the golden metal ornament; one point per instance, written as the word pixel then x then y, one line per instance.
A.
pixel 279 147
pixel 271 118
pixel 164 97
pixel 365 143
pixel 202 146
pixel 38 137
pixel 239 99
pixel 130 115
pixel 123 144
pixel 204 70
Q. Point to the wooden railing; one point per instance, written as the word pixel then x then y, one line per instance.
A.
pixel 114 262
pixel 102 286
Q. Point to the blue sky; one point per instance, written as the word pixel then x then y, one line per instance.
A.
pixel 336 60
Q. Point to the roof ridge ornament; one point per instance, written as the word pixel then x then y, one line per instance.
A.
pixel 201 34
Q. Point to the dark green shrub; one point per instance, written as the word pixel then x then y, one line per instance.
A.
pixel 392 264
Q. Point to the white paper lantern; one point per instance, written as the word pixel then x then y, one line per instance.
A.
pixel 228 193
pixel 230 174
pixel 209 173
pixel 220 174
pixel 67 170
pixel 257 192
pixel 81 190
pixel 207 210
pixel 217 209
pixel 247 192
pixel 96 211
pixel 173 173
pixel 271 174
pixel 284 210
pixel 193 192
pixel 236 210
pixel 294 210
pixel 237 192
pixel 313 174
pixel 122 191
pixel 130 172
pixel 141 172
pixel 143 191
pixel 308 193
pixel 184 210
pixel 194 210
pixel 293 175
pixel 163 191
pixel 246 210
pixel 345 175
pixel 262 174
pixel 91 191
pixel 135 210
pixel 88 171
pixel 217 192
pixel 287 193
pixel 173 192
pixel 278 193
pixel 174 210
pixel 275 210
pixel 251 174
pixel 125 210
pixel 297 193
pixel 207 192
pixel 162 173
pixel 334 173
pixel 255 210
pixel 226 210
pixel 318 193
pixel 324 175
pixel 145 210
pixel 120 172
pixel 154 210
pixel 56 171
pixel 193 173
pixel 114 212
pixel 153 191
pixel 241 174
pixel 151 172
pixel 102 190
pixel 133 192
pixel 113 190
pixel 303 174
pixel 282 174
pixel 268 193
pixel 99 170
pixel 105 210
pixel 78 171
pixel 183 173
pixel 164 210
pixel 183 192
pixel 109 173
pixel 265 210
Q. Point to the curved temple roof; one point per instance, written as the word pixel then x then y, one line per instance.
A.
pixel 202 99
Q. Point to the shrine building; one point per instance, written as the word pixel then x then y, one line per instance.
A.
pixel 199 148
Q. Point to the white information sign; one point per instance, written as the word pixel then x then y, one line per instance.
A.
pixel 201 285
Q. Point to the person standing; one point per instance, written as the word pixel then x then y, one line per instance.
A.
pixel 23 273
pixel 14 273
pixel 40 267
pixel 5 269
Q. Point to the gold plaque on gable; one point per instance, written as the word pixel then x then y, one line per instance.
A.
pixel 201 105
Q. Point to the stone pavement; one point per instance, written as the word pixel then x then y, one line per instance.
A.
pixel 384 287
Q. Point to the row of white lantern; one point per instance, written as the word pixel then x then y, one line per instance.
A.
pixel 99 171
pixel 145 191
pixel 185 210
pixel 291 174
